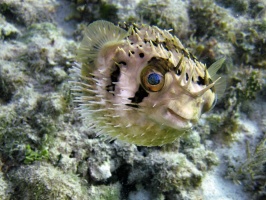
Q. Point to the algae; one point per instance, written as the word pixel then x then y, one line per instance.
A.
pixel 250 172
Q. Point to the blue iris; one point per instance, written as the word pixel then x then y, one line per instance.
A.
pixel 154 79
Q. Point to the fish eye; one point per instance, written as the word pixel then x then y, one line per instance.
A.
pixel 152 80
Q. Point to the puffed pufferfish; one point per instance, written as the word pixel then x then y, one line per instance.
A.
pixel 140 85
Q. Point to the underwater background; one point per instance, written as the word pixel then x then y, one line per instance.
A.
pixel 46 150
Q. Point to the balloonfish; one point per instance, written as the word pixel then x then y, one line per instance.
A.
pixel 137 83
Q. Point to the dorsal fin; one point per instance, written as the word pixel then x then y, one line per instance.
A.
pixel 96 36
pixel 221 83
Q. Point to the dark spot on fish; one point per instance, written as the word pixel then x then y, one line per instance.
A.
pixel 130 52
pixel 200 81
pixel 134 27
pixel 141 55
pixel 185 53
pixel 139 95
pixel 165 46
pixel 186 76
pixel 122 63
pixel 193 57
pixel 115 74
pixel 114 78
pixel 132 105
pixel 154 43
pixel 178 72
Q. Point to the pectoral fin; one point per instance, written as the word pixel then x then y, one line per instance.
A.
pixel 220 86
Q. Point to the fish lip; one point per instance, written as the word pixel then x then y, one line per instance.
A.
pixel 181 123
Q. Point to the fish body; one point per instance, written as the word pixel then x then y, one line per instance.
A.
pixel 139 84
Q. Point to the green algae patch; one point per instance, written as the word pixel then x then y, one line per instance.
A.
pixel 37 155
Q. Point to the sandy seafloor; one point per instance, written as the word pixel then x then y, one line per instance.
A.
pixel 48 152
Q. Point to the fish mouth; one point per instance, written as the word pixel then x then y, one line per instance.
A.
pixel 178 121
pixel 175 115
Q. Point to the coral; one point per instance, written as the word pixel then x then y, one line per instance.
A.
pixel 250 43
pixel 11 79
pixel 28 68
pixel 22 124
pixel 105 192
pixel 209 19
pixel 168 169
pixel 101 162
pixel 253 8
pixel 166 14
pixel 245 36
pixel 5 189
pixel 28 12
pixel 211 26
pixel 181 173
pixel 238 6
pixel 108 11
pixel 93 10
pixel 143 194
pixel 43 181
pixel 13 134
pixel 46 47
pixel 249 83
pixel 7 30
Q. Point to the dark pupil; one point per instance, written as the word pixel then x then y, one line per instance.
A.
pixel 154 79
